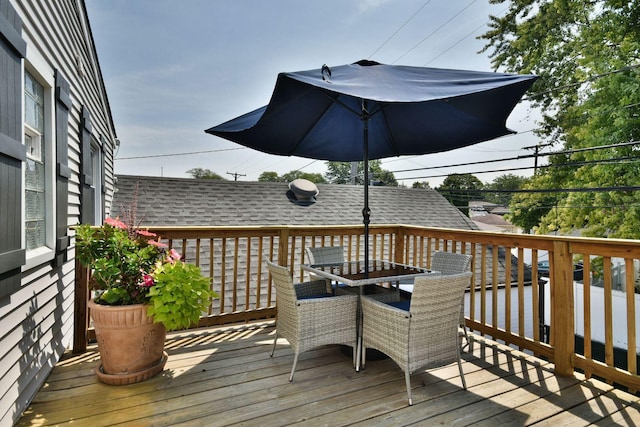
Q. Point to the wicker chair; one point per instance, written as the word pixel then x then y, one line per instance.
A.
pixel 451 263
pixel 308 317
pixel 325 255
pixel 426 335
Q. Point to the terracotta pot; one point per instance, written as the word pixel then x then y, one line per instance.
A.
pixel 131 346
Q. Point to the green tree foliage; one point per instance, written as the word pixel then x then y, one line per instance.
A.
pixel 340 173
pixel 460 189
pixel 200 173
pixel 269 177
pixel 587 54
pixel 313 177
pixel 420 184
pixel 290 176
pixel 502 185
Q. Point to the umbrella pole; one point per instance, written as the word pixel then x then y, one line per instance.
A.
pixel 365 211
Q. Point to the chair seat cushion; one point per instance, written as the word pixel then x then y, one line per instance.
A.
pixel 316 296
pixel 402 305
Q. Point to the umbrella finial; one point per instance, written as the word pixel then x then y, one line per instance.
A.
pixel 326 72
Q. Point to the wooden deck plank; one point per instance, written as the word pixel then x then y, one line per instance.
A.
pixel 592 411
pixel 224 376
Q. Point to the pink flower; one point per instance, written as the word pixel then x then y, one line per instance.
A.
pixel 174 254
pixel 147 280
pixel 146 233
pixel 115 223
pixel 156 244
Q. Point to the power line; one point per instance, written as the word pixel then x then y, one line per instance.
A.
pixel 553 153
pixel 628 159
pixel 461 40
pixel 544 190
pixel 398 30
pixel 587 80
pixel 150 156
pixel 235 175
pixel 433 32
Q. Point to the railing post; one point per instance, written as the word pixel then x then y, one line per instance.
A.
pixel 283 246
pixel 399 245
pixel 80 311
pixel 563 323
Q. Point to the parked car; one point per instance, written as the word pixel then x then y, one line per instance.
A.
pixel 543 268
pixel 578 269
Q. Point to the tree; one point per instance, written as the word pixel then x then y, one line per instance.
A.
pixel 200 173
pixel 460 189
pixel 340 173
pixel 296 174
pixel 502 185
pixel 420 184
pixel 290 176
pixel 586 53
pixel 269 177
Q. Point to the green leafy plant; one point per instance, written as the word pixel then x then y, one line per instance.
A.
pixel 179 295
pixel 129 265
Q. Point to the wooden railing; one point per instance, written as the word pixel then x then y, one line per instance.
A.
pixel 510 300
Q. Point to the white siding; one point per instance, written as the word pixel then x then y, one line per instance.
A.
pixel 36 323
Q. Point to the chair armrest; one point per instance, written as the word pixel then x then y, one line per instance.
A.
pixel 311 288
pixel 376 307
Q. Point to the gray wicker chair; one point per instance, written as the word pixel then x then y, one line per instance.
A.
pixel 308 317
pixel 426 335
pixel 451 263
pixel 325 255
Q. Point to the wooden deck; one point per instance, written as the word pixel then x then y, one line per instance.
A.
pixel 224 376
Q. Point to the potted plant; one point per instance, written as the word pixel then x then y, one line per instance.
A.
pixel 141 290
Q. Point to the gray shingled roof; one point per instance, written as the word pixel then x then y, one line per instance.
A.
pixel 205 202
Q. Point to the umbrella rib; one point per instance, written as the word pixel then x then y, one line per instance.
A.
pixel 392 143
pixel 333 99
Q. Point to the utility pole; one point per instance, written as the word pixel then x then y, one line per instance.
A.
pixel 354 173
pixel 535 155
pixel 235 175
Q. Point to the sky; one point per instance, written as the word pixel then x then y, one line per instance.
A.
pixel 175 68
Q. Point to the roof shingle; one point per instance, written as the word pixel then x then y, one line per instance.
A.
pixel 205 202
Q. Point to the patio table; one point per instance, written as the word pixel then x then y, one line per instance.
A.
pixel 353 274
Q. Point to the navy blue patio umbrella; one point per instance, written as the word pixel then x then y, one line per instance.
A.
pixel 368 110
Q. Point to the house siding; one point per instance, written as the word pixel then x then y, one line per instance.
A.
pixel 36 309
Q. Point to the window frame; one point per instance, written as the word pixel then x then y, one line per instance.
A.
pixel 41 72
pixel 96 161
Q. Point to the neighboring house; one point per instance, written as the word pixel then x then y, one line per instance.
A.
pixel 56 170
pixel 493 222
pixel 207 202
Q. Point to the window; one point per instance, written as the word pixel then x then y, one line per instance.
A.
pixel 96 161
pixel 38 202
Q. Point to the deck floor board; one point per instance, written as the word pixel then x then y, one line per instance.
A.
pixel 224 376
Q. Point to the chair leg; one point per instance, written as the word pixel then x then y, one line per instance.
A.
pixel 466 337
pixel 275 340
pixel 407 379
pixel 293 368
pixel 464 383
pixel 356 355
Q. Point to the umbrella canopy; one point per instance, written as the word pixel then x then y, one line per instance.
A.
pixel 319 114
pixel 368 110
